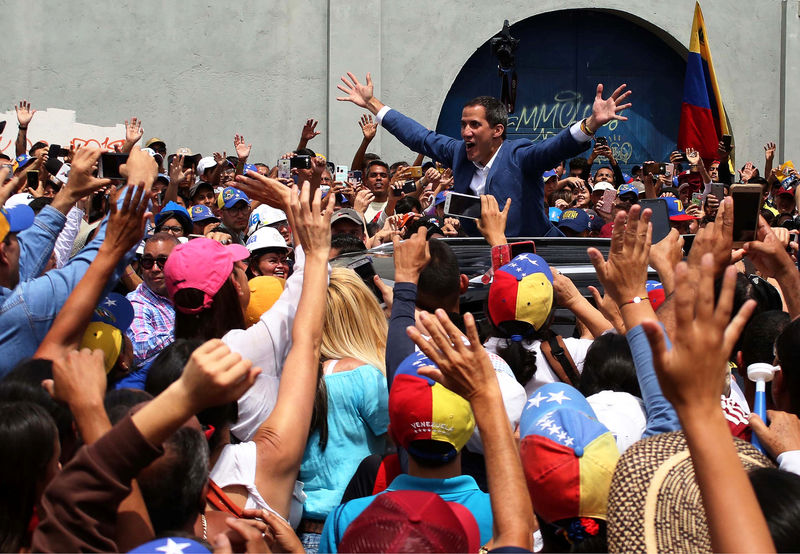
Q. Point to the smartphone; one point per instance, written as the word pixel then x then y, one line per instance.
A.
pixel 660 217
pixel 718 190
pixel 462 205
pixel 331 167
pixel 727 142
pixel 410 186
pixel 669 169
pixel 300 162
pixel 415 171
pixel 746 208
pixel 55 151
pixel 33 179
pixel 340 175
pixel 354 176
pixel 504 253
pixel 697 199
pixel 364 268
pixel 284 169
pixel 600 141
pixel 189 162
pixel 609 196
pixel 655 168
pixel 108 167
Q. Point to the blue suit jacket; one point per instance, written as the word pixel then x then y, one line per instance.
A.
pixel 516 172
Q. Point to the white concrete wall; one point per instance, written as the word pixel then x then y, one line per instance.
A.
pixel 198 72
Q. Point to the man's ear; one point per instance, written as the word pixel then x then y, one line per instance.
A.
pixel 463 283
pixel 499 129
pixel 777 388
pixel 3 253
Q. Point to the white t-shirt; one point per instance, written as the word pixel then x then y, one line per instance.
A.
pixel 374 209
pixel 544 373
pixel 237 466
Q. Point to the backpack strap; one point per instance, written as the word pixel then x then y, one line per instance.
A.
pixel 557 355
pixel 217 498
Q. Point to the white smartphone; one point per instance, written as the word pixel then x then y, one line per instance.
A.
pixel 340 175
pixel 462 205
pixel 285 168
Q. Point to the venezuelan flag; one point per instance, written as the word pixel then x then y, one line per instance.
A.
pixel 703 119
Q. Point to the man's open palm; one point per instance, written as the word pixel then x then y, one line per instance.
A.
pixel 605 110
pixel 356 93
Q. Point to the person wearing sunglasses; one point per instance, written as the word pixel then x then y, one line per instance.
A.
pixel 174 219
pixel 153 314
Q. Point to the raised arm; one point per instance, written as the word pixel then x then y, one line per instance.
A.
pixel 133 134
pixel 281 439
pixel 125 230
pixel 692 377
pixel 369 128
pixel 467 371
pixel 308 132
pixel 769 256
pixel 24 116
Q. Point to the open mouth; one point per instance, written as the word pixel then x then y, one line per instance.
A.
pixel 279 273
pixel 470 147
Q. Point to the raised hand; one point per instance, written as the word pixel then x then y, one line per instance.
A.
pixel 309 130
pixel 178 175
pixel 24 113
pixel 79 379
pixel 693 156
pixel 267 191
pixel 492 223
pixel 608 109
pixel 81 180
pixel 126 225
pixel 769 151
pixel 358 94
pixel 221 158
pixel 768 252
pixel 624 274
pixel 411 256
pixel 692 374
pixel 747 172
pixel 462 368
pixel 364 198
pixel 717 238
pixel 664 256
pixel 133 131
pixel 368 127
pixel 140 168
pixel 312 224
pixel 242 149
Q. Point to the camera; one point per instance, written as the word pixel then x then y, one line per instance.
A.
pixel 503 47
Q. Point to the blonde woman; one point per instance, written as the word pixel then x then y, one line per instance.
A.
pixel 351 408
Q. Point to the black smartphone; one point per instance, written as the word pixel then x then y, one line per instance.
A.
pixel 364 268
pixel 462 205
pixel 33 179
pixel 55 151
pixel 718 190
pixel 727 142
pixel 746 208
pixel 108 168
pixel 410 186
pixel 660 217
pixel 600 141
pixel 189 162
pixel 300 162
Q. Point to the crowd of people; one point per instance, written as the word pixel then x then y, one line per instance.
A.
pixel 186 366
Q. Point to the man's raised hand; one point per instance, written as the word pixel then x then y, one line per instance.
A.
pixel 309 130
pixel 368 127
pixel 24 113
pixel 608 109
pixel 242 149
pixel 358 94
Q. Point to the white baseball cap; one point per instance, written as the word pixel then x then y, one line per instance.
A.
pixel 603 185
pixel 266 237
pixel 205 163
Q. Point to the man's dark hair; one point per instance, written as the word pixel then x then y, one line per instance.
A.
pixel 173 485
pixel 609 366
pixel 438 285
pixel 778 494
pixel 496 111
pixel 36 145
pixel 369 156
pixel 305 152
pixel 118 402
pixel 579 163
pixel 346 243
pixel 261 164
pixel 377 162
pixel 758 337
pixel 789 359
pixel 162 236
pixel 4 157
pixel 408 204
pixel 38 203
pixel 757 181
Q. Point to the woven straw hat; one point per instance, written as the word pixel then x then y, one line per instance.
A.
pixel 654 504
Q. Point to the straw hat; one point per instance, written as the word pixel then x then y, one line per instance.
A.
pixel 654 504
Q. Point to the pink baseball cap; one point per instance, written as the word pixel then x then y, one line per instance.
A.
pixel 202 264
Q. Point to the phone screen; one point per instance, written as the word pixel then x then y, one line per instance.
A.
pixel 524 247
pixel 300 162
pixel 366 271
pixel 718 190
pixel 284 169
pixel 609 196
pixel 660 217
pixel 463 205
pixel 33 179
pixel 409 187
pixel 109 165
pixel 746 207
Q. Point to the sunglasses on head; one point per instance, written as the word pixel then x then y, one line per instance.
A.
pixel 148 261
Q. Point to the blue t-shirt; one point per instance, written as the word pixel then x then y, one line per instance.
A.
pixel 462 489
pixel 358 417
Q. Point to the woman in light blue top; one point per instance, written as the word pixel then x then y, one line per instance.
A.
pixel 351 409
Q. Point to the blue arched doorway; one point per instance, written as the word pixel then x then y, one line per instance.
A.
pixel 561 57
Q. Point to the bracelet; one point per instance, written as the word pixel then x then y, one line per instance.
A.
pixel 634 300
pixel 585 128
pixel 21 128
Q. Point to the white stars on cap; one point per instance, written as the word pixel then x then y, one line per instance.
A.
pixel 173 547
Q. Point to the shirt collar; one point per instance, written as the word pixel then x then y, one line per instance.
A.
pixel 461 483
pixel 488 165
pixel 147 291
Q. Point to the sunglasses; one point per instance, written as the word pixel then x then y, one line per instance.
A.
pixel 148 261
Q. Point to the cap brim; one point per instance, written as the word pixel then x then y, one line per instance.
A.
pixel 682 217
pixel 237 252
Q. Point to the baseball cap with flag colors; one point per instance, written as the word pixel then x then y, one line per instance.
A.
pixel 16 219
pixel 568 456
pixel 522 291
pixel 420 409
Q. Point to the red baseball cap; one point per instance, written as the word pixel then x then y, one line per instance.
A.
pixel 201 264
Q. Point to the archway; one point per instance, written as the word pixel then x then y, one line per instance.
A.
pixel 561 57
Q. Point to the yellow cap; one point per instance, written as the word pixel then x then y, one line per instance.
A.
pixel 105 337
pixel 264 291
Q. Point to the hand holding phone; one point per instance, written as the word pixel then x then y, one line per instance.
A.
pixel 462 205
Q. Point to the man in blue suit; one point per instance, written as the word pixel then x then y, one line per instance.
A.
pixel 484 161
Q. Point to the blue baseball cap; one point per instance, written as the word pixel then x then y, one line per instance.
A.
pixel 171 545
pixel 173 209
pixel 574 219
pixel 554 214
pixel 249 167
pixel 21 161
pixel 115 310
pixel 16 219
pixel 628 189
pixel 230 196
pixel 547 174
pixel 199 212
pixel 595 221
pixel 676 211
